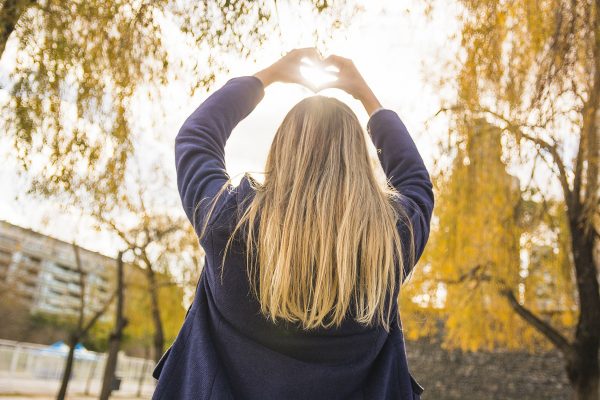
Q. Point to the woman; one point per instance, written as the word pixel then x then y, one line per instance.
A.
pixel 302 305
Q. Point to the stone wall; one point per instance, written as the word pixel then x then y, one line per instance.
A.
pixel 486 375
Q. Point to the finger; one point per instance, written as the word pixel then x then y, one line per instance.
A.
pixel 332 68
pixel 304 81
pixel 307 84
pixel 310 53
pixel 335 60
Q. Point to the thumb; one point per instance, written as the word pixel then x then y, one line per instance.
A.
pixel 300 79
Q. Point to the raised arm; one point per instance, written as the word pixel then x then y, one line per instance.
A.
pixel 200 143
pixel 405 170
pixel 200 146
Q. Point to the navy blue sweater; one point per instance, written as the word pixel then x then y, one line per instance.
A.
pixel 226 349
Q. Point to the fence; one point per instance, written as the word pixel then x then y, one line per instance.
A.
pixel 37 363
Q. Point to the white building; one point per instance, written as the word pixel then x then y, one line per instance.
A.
pixel 43 270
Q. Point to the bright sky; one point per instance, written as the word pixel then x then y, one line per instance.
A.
pixel 394 46
pixel 390 44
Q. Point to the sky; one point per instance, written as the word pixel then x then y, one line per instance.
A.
pixel 389 42
pixel 398 51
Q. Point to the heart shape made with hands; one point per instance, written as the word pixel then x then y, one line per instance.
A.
pixel 317 74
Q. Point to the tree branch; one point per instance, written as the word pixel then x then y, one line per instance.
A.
pixel 542 326
pixel 82 329
pixel 478 273
pixel 98 314
pixel 550 147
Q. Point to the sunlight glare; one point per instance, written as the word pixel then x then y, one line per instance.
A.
pixel 317 75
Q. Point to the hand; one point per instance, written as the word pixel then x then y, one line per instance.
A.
pixel 348 77
pixel 350 81
pixel 287 69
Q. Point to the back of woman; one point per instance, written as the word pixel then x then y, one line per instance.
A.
pixel 298 295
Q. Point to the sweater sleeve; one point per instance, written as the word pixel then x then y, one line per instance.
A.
pixel 405 171
pixel 200 146
pixel 376 111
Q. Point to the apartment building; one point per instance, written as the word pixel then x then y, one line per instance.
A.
pixel 44 272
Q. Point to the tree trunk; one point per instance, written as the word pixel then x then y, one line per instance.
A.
pixel 73 339
pixel 115 336
pixel 111 365
pixel 159 338
pixel 581 355
pixel 582 367
pixel 583 373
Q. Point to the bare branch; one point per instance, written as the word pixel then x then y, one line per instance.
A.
pixel 98 314
pixel 542 326
pixel 471 274
pixel 552 148
pixel 477 273
pixel 82 329
pixel 578 170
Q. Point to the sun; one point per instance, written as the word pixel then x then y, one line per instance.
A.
pixel 316 74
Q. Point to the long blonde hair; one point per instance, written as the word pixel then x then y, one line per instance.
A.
pixel 328 228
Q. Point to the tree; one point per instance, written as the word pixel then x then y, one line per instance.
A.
pixel 153 231
pixel 139 333
pixel 116 335
pixel 79 64
pixel 161 241
pixel 478 232
pixel 82 328
pixel 532 69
